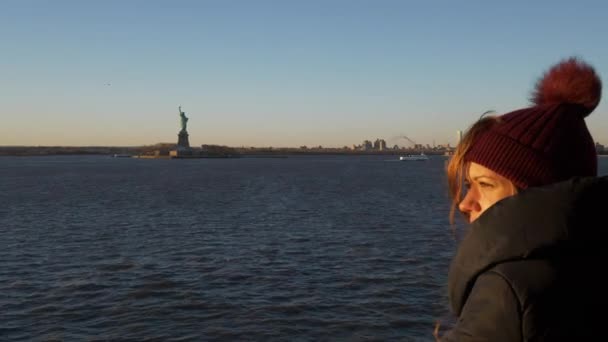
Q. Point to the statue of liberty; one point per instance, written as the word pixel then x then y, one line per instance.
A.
pixel 183 118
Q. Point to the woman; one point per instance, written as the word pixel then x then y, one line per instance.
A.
pixel 530 265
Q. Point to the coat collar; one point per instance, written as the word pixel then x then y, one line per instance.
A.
pixel 534 222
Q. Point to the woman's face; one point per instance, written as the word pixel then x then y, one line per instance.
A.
pixel 485 187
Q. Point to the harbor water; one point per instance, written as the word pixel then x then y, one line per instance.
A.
pixel 311 248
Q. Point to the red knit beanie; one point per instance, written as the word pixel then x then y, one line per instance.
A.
pixel 549 141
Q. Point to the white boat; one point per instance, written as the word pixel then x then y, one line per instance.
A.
pixel 414 157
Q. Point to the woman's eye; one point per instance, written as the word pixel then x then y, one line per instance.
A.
pixel 485 185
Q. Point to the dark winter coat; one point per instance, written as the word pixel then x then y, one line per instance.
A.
pixel 531 267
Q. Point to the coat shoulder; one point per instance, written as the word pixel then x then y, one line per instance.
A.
pixel 528 278
pixel 558 300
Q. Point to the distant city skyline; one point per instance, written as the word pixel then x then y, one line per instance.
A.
pixel 280 73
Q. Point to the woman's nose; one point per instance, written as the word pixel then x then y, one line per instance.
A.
pixel 469 204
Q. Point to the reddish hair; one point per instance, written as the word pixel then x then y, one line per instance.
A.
pixel 457 166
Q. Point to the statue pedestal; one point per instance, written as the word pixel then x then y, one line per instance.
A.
pixel 182 140
pixel 183 147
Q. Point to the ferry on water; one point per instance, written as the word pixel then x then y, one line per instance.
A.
pixel 414 157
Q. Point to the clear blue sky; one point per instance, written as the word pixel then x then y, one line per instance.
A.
pixel 280 73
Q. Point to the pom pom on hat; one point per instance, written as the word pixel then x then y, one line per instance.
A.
pixel 570 81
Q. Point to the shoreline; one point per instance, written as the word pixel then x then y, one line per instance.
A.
pixel 218 152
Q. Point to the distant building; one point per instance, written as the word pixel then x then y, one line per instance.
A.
pixel 379 145
pixel 458 137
